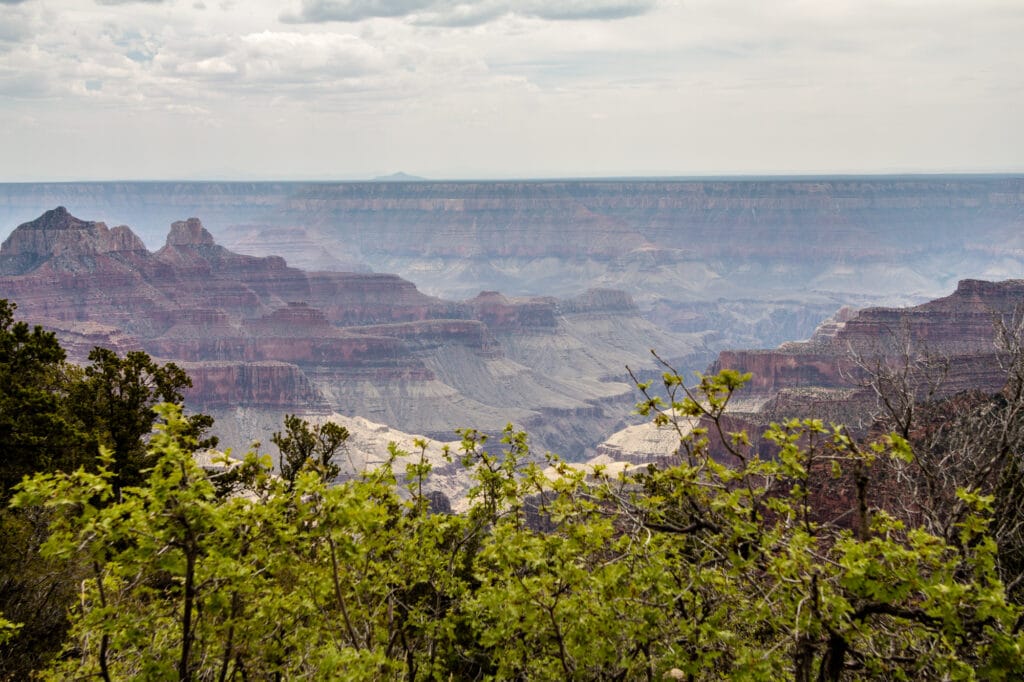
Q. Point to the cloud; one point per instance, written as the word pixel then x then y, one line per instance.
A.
pixel 16 27
pixel 722 84
pixel 128 2
pixel 272 61
pixel 466 13
pixel 572 10
pixel 355 10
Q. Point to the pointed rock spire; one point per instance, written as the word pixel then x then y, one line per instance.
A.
pixel 57 219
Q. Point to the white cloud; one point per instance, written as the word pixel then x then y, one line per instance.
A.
pixel 129 2
pixel 513 87
pixel 463 12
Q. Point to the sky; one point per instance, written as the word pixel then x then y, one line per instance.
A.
pixel 450 89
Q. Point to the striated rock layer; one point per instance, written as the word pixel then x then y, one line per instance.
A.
pixel 951 345
pixel 959 328
pixel 260 336
pixel 757 261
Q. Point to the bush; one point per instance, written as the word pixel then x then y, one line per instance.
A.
pixel 695 570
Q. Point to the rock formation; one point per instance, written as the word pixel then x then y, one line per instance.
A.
pixel 260 338
pixel 755 261
pixel 959 327
pixel 949 343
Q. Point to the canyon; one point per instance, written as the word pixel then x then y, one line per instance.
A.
pixel 952 345
pixel 755 261
pixel 940 348
pixel 260 339
pixel 512 301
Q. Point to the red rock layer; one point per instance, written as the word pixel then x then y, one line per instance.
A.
pixel 259 384
pixel 823 377
pixel 959 327
pixel 245 326
pixel 503 314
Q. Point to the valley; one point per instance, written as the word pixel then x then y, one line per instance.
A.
pixel 756 261
pixel 516 302
pixel 261 339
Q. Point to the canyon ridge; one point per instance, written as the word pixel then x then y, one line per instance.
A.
pixel 260 339
pixel 295 313
pixel 755 261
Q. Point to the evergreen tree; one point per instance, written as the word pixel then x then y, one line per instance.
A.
pixel 35 431
pixel 304 445
pixel 114 400
pixel 56 417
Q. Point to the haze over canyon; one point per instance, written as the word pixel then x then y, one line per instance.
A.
pixel 510 301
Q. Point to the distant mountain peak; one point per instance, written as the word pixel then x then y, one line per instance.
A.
pixel 399 177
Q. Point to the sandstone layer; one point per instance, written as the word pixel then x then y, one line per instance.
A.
pixel 942 347
pixel 260 338
pixel 959 328
pixel 756 261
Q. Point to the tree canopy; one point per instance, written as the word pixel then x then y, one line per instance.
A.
pixel 698 570
pixel 55 416
pixel 304 445
pixel 796 557
pixel 36 430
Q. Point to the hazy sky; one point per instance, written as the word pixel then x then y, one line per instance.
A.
pixel 339 89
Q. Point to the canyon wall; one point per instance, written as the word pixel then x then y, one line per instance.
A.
pixel 959 329
pixel 697 266
pixel 938 349
pixel 934 350
pixel 756 261
pixel 260 338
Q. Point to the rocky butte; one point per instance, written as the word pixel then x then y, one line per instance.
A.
pixel 260 338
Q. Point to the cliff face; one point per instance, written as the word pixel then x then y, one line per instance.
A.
pixel 93 264
pixel 824 376
pixel 731 218
pixel 258 335
pixel 774 370
pixel 244 326
pixel 501 313
pixel 757 261
pixel 251 384
pixel 951 344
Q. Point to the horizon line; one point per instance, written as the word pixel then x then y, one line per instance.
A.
pixel 414 179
